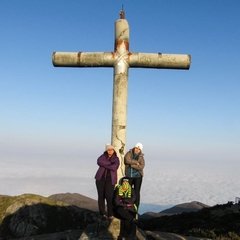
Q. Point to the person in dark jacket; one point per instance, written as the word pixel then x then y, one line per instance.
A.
pixel 125 209
pixel 134 165
pixel 106 178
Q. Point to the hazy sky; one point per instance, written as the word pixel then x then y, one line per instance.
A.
pixel 56 121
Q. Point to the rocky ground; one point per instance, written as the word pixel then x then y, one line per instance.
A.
pixel 104 230
pixel 33 217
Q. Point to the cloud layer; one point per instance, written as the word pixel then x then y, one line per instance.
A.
pixel 163 184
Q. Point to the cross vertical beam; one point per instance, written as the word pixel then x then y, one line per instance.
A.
pixel 119 112
pixel 121 59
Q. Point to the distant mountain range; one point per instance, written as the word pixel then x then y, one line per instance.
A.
pixel 82 201
pixel 178 209
pixel 76 199
pixel 91 204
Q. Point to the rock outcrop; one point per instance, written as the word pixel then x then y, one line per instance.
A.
pixel 28 215
pixel 33 217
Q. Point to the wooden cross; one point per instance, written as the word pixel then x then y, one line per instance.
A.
pixel 121 60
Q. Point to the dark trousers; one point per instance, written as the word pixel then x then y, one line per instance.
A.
pixel 105 190
pixel 136 183
pixel 127 225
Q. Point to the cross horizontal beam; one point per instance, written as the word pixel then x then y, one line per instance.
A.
pixel 109 59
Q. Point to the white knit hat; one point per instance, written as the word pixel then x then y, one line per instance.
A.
pixel 108 147
pixel 139 145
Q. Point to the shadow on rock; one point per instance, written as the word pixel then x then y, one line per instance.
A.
pixel 42 218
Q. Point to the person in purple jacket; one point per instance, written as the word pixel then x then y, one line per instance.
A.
pixel 106 178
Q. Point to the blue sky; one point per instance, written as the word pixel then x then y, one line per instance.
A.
pixel 56 121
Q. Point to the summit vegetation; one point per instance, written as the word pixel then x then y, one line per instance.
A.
pixel 220 222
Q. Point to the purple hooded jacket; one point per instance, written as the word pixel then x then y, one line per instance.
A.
pixel 111 164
